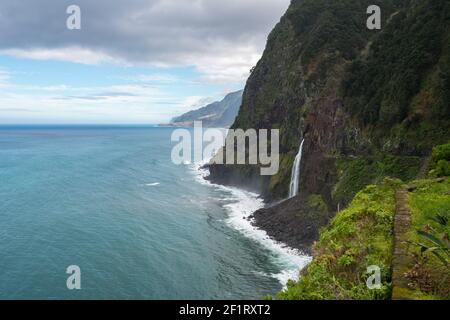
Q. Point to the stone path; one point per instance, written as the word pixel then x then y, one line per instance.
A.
pixel 401 262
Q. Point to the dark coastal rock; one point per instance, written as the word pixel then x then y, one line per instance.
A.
pixel 295 222
pixel 245 177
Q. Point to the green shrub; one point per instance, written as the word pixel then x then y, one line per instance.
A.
pixel 440 161
pixel 356 173
pixel 443 168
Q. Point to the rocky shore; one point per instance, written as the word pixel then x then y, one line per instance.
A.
pixel 295 222
pixel 288 222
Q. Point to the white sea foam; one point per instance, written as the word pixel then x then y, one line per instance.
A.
pixel 241 207
pixel 153 184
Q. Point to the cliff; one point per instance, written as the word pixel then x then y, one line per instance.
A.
pixel 369 104
pixel 219 114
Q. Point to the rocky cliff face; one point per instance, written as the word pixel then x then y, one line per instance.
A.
pixel 369 104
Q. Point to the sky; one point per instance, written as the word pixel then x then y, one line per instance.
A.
pixel 134 61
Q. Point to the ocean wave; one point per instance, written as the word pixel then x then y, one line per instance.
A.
pixel 153 184
pixel 243 204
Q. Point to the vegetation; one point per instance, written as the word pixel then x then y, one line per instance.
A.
pixel 357 238
pixel 399 89
pixel 440 161
pixel 429 236
pixel 380 96
pixel 379 88
pixel 362 235
pixel 356 173
pixel 369 104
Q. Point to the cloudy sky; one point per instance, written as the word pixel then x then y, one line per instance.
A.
pixel 133 61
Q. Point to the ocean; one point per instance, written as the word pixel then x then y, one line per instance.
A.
pixel 109 200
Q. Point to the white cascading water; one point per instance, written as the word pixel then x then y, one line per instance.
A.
pixel 295 175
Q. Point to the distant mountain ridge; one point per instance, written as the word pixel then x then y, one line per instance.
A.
pixel 220 114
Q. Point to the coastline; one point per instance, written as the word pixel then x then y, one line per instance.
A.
pixel 241 218
pixel 283 220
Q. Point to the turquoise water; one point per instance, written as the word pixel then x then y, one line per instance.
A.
pixel 109 200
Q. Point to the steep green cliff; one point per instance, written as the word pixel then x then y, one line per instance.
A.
pixel 369 104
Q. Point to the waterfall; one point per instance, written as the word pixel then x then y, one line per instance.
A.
pixel 295 175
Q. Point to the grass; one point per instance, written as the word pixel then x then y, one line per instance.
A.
pixel 429 276
pixel 357 238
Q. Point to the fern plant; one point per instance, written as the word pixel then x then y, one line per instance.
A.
pixel 437 245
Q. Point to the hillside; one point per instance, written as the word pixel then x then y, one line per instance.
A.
pixel 219 114
pixel 357 237
pixel 403 229
pixel 369 104
pixel 363 235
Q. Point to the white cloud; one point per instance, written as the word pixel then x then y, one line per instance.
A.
pixel 222 39
pixel 4 79
pixel 71 54
pixel 159 78
pixel 134 103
